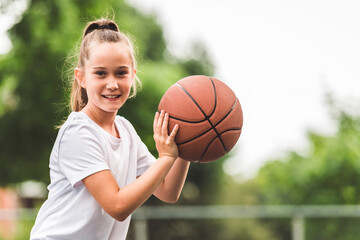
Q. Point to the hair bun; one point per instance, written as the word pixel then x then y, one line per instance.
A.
pixel 100 26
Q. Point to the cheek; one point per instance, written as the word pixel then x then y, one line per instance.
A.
pixel 92 88
pixel 129 83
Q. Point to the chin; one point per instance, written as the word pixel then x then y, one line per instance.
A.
pixel 112 110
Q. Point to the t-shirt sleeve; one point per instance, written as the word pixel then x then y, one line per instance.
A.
pixel 81 153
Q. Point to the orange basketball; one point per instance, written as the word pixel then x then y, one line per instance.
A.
pixel 209 115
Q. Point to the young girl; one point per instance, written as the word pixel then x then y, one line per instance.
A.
pixel 100 170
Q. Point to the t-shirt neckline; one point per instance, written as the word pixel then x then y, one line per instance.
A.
pixel 108 135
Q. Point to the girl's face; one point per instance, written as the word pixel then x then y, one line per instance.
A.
pixel 107 77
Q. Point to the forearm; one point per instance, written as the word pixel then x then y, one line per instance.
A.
pixel 169 190
pixel 135 194
pixel 121 202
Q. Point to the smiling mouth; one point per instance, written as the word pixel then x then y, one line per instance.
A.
pixel 111 96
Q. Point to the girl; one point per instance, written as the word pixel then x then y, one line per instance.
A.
pixel 99 168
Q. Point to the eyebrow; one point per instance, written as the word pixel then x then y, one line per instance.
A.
pixel 120 67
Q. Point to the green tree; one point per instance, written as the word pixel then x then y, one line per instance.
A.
pixel 328 173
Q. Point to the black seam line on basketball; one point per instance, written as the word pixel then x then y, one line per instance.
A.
pixel 227 130
pixel 187 121
pixel 206 117
pixel 227 114
pixel 192 99
pixel 207 147
pixel 212 125
pixel 215 104
pixel 232 108
pixel 195 137
pixel 231 129
pixel 182 120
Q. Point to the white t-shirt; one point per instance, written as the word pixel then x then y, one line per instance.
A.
pixel 81 149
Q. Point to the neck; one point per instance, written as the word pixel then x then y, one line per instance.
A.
pixel 105 120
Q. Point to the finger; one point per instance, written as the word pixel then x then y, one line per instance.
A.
pixel 161 119
pixel 156 119
pixel 174 131
pixel 164 127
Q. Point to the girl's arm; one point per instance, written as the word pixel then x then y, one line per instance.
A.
pixel 121 202
pixel 169 190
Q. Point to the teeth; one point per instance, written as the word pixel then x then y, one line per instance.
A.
pixel 111 96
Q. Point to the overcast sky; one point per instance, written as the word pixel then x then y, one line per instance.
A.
pixel 280 57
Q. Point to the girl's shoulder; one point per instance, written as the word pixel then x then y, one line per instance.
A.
pixel 79 123
pixel 78 119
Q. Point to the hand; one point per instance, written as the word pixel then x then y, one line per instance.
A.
pixel 165 144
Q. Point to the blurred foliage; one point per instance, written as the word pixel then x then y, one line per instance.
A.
pixel 23 229
pixel 327 173
pixel 214 229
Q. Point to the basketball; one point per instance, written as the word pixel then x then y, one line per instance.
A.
pixel 209 115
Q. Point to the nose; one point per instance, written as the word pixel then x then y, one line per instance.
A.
pixel 112 84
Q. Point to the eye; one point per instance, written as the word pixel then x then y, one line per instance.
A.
pixel 122 73
pixel 100 73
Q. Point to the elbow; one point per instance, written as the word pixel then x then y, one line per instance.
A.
pixel 167 195
pixel 171 199
pixel 121 217
pixel 120 213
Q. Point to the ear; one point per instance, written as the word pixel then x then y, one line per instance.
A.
pixel 80 77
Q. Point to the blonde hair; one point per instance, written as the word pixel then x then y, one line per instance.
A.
pixel 98 31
